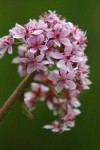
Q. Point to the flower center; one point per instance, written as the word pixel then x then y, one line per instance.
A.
pixel 67 57
pixel 36 45
pixel 57 36
pixel 63 78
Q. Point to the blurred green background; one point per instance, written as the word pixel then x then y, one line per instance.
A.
pixel 17 132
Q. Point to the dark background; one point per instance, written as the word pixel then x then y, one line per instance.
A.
pixel 17 132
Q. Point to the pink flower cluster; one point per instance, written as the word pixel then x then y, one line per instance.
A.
pixel 54 49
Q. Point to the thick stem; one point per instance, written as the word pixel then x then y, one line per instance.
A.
pixel 15 95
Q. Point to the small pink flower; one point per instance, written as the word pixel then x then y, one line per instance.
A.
pixel 22 49
pixel 29 27
pixel 30 101
pixel 41 88
pixel 72 97
pixel 33 63
pixel 38 91
pixel 56 127
pixel 68 60
pixel 63 79
pixel 6 44
pixel 36 43
pixel 51 17
pixel 40 27
pixel 22 69
pixel 35 28
pixel 18 32
pixel 60 35
pixel 70 115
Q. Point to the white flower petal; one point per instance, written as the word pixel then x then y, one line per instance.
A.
pixel 10 50
pixel 47 126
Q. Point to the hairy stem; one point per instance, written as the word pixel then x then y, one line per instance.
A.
pixel 15 95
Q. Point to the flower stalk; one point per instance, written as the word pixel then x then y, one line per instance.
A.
pixel 15 95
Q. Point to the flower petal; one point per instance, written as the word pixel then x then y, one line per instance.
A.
pixel 59 87
pixel 30 54
pixel 30 68
pixel 54 77
pixel 10 50
pixel 37 32
pixel 61 63
pixel 16 60
pixel 63 70
pixel 33 50
pixel 57 43
pixel 40 38
pixel 31 40
pixel 57 55
pixel 71 85
pixel 40 66
pixel 47 126
pixel 50 35
pixel 43 47
pixel 71 75
pixel 65 41
pixel 39 58
pixel 65 32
